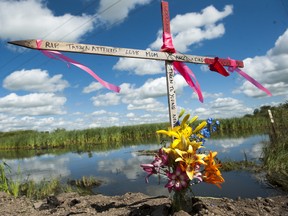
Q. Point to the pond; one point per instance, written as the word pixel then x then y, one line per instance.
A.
pixel 121 172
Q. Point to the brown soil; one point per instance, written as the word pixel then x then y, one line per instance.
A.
pixel 134 204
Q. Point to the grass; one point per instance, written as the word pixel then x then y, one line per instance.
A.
pixel 106 138
pixel 60 138
pixel 276 153
pixel 4 181
pixel 39 190
pixel 86 182
pixel 240 165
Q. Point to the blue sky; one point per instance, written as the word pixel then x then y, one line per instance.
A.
pixel 44 94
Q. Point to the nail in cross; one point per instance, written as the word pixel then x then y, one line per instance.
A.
pixel 168 57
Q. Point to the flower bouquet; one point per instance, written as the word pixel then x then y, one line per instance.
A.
pixel 182 162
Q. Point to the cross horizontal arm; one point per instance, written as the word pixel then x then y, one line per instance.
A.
pixel 121 52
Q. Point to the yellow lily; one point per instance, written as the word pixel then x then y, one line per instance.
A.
pixel 189 159
pixel 171 132
pixel 200 127
pixel 193 120
pixel 172 154
pixel 195 145
pixel 181 113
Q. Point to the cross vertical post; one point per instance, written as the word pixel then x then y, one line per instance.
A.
pixel 169 69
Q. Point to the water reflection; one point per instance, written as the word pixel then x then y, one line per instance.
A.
pixel 237 148
pixel 45 167
pixel 120 169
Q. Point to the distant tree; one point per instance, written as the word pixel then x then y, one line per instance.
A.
pixel 248 116
pixel 256 112
pixel 284 105
pixel 264 110
pixel 58 130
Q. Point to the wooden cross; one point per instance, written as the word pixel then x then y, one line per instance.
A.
pixel 134 53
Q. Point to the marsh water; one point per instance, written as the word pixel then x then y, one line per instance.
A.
pixel 120 170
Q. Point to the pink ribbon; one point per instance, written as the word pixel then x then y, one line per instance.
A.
pixel 233 67
pixel 180 66
pixel 59 56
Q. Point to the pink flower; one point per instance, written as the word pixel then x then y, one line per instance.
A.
pixel 154 168
pixel 177 180
pixel 150 169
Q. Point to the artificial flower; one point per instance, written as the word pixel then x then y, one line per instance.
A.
pixel 211 172
pixel 189 159
pixel 180 161
pixel 178 180
pixel 160 160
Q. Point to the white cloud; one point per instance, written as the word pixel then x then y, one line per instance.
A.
pixel 224 102
pixel 142 98
pixel 223 108
pixel 94 86
pixel 107 99
pixel 10 123
pixel 187 29
pixel 32 19
pixel 24 19
pixel 130 115
pixel 192 28
pixel 45 168
pixel 99 112
pixel 102 121
pixel 34 80
pixel 207 95
pixel 139 66
pixel 158 87
pixel 271 70
pixel 149 104
pixel 281 45
pixel 113 12
pixel 32 104
pixel 136 99
pixel 130 167
pixel 154 88
pixel 226 145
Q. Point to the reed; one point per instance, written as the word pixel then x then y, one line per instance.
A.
pixel 8 185
pixel 44 188
pixel 60 138
pixel 106 138
pixel 116 136
pixel 276 152
pixel 86 182
pixel 4 185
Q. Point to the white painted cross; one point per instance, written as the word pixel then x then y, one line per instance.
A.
pixel 134 53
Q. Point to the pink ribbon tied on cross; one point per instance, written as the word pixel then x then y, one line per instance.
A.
pixel 183 69
pixel 218 67
pixel 233 68
pixel 59 56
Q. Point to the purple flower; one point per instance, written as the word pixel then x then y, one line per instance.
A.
pixel 177 180
pixel 150 169
pixel 164 157
pixel 154 168
pixel 197 178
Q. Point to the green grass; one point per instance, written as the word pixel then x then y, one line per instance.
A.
pixel 240 165
pixel 4 181
pixel 276 152
pixel 60 138
pixel 39 190
pixel 86 182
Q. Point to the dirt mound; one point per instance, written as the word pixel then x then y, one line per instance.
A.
pixel 134 204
